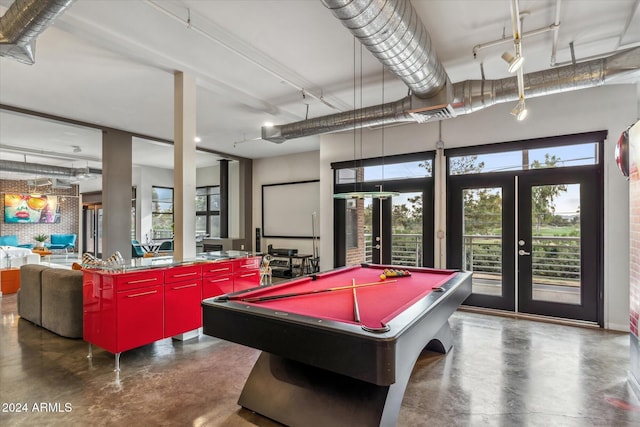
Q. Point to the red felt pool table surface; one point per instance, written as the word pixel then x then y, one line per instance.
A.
pixel 377 303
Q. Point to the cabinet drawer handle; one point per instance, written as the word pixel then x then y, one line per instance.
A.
pixel 142 281
pixel 185 286
pixel 141 294
pixel 248 275
pixel 248 266
pixel 185 274
pixel 218 269
pixel 219 280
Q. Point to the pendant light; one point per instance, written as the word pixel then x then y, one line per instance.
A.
pixel 358 193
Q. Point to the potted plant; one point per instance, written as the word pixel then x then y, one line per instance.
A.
pixel 40 239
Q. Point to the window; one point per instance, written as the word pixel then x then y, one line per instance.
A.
pixel 162 212
pixel 368 173
pixel 208 211
pixel 536 158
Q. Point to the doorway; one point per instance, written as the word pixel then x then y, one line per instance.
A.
pixel 92 223
pixel 531 235
pixel 395 228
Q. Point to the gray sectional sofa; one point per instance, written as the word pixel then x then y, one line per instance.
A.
pixel 51 298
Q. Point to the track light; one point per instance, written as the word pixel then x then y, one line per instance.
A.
pixel 520 110
pixel 514 62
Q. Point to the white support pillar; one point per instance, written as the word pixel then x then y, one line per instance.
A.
pixel 184 173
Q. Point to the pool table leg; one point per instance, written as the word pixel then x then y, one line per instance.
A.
pixel 297 394
pixel 294 393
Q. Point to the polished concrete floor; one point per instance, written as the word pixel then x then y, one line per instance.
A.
pixel 501 372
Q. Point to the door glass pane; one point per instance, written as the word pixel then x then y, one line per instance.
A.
pixel 406 233
pixel 555 227
pixel 358 228
pixel 482 234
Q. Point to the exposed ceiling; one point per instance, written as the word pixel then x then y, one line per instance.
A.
pixel 111 63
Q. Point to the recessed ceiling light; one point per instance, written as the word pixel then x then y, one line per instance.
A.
pixel 267 124
pixel 197 139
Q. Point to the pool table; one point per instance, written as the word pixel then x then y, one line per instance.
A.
pixel 323 361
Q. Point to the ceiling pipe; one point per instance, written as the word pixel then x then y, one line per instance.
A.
pixel 468 97
pixel 526 34
pixel 45 170
pixel 23 22
pixel 556 31
pixel 379 24
pixel 392 31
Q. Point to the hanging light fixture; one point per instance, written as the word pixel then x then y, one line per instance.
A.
pixel 359 193
pixel 520 110
pixel 515 62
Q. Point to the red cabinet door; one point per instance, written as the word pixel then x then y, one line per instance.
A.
pixel 246 273
pixel 99 311
pixel 182 273
pixel 183 311
pixel 135 280
pixel 217 278
pixel 217 268
pixel 217 285
pixel 140 317
pixel 246 280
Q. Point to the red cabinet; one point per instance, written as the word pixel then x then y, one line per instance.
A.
pixel 140 314
pixel 217 278
pixel 246 273
pixel 124 310
pixel 182 298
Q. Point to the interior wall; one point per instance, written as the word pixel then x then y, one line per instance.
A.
pixel 277 170
pixel 69 202
pixel 612 108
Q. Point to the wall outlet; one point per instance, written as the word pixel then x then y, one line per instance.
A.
pixel 242 247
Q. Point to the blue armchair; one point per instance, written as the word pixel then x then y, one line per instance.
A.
pixel 12 240
pixel 62 241
pixel 136 250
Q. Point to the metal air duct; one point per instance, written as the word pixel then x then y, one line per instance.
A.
pixel 379 24
pixel 23 22
pixel 43 170
pixel 392 31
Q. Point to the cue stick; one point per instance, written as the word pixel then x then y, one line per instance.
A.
pixel 316 291
pixel 356 310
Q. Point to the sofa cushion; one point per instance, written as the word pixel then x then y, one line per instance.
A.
pixel 30 293
pixel 62 302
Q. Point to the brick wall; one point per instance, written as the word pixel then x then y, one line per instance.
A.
pixel 68 200
pixel 355 256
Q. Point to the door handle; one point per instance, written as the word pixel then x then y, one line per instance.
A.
pixel 522 252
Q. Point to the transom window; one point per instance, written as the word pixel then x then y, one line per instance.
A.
pixel 524 159
pixel 405 170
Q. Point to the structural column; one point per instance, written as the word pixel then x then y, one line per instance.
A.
pixel 184 161
pixel 224 198
pixel 116 193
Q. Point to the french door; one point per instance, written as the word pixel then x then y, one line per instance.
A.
pixel 532 239
pixel 400 229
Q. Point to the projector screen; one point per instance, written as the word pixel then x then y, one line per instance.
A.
pixel 287 209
